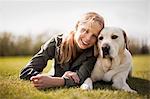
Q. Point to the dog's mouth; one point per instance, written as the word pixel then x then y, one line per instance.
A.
pixel 106 53
pixel 107 56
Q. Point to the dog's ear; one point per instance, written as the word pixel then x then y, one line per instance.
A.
pixel 96 50
pixel 125 39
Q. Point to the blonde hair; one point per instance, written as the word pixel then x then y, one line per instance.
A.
pixel 67 47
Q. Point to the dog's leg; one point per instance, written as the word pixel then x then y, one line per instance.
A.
pixel 87 85
pixel 109 75
pixel 119 82
pixel 127 88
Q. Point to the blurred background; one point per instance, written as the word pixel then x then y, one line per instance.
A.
pixel 26 24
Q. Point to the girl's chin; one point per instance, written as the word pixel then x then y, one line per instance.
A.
pixel 83 47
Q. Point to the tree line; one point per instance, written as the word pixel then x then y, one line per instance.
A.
pixel 11 45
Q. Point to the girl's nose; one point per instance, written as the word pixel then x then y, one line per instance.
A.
pixel 88 37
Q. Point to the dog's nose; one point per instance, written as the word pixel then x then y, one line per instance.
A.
pixel 105 49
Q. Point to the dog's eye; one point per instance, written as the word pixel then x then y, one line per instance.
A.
pixel 101 38
pixel 114 36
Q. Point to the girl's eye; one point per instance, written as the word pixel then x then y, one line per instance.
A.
pixel 114 36
pixel 101 38
pixel 83 30
pixel 94 36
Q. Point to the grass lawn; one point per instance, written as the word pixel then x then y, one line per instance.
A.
pixel 11 87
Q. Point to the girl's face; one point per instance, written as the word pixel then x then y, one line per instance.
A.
pixel 86 34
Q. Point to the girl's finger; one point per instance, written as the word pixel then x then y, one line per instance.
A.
pixel 39 76
pixel 37 85
pixel 34 77
pixel 76 79
pixel 37 81
pixel 70 76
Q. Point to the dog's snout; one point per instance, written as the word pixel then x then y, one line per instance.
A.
pixel 105 49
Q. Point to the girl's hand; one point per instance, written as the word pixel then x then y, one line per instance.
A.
pixel 42 81
pixel 71 75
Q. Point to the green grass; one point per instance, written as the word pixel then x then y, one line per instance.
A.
pixel 11 87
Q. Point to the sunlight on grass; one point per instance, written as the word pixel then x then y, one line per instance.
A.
pixel 141 66
pixel 13 65
pixel 13 88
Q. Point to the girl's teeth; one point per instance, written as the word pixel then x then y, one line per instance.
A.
pixel 85 43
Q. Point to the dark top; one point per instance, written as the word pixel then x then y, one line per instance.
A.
pixel 82 65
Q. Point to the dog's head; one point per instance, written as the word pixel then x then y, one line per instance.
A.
pixel 112 41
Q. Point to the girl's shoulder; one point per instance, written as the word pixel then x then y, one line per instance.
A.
pixel 58 39
pixel 54 40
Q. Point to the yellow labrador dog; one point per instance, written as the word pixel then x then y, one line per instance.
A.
pixel 114 61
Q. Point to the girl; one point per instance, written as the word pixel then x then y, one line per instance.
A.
pixel 73 55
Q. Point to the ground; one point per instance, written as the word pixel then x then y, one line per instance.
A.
pixel 11 87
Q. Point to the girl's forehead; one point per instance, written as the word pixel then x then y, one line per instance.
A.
pixel 91 26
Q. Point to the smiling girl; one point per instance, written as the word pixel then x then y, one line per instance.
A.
pixel 73 55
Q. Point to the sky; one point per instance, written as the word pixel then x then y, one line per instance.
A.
pixel 24 17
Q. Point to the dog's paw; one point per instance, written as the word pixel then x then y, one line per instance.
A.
pixel 129 90
pixel 132 91
pixel 125 88
pixel 86 87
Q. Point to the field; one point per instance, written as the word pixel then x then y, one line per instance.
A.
pixel 11 87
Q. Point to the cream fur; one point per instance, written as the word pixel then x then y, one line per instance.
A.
pixel 116 66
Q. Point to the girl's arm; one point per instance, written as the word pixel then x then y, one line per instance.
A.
pixel 39 61
pixel 83 72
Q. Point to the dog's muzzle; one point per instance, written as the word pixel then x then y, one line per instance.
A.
pixel 106 50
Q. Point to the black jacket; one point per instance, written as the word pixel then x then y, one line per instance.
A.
pixel 83 64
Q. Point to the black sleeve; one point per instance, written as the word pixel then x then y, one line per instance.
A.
pixel 39 61
pixel 83 72
pixel 86 69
